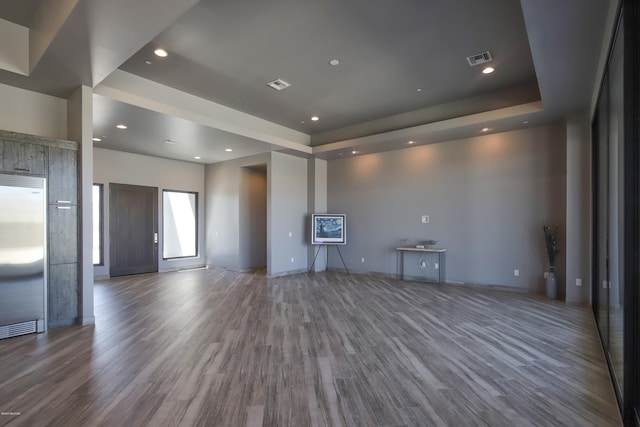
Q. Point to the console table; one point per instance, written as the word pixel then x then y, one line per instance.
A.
pixel 441 260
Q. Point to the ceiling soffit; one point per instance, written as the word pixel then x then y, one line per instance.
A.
pixel 386 54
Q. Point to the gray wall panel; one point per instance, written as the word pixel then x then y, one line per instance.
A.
pixel 253 216
pixel 136 169
pixel 486 197
pixel 287 240
pixel 225 189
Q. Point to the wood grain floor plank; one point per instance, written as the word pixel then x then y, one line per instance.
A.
pixel 218 348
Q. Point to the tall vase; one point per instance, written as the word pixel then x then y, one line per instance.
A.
pixel 552 286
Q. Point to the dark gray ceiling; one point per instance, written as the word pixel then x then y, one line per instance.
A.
pixel 402 72
pixel 387 50
pixel 18 11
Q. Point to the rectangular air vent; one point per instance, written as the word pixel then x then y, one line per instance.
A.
pixel 278 84
pixel 17 329
pixel 479 58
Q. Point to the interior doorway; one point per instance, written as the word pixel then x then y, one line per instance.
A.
pixel 253 218
pixel 133 220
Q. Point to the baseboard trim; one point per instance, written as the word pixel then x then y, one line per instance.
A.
pixel 89 320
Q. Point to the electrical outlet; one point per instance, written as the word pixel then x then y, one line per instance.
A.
pixel 437 266
pixel 578 282
pixel 290 234
pixel 423 264
pixel 292 259
pixel 425 219
pixel 516 273
pixel 362 259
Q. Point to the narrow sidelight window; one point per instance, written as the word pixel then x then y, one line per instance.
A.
pixel 98 258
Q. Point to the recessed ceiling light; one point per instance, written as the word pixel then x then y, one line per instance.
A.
pixel 96 139
pixel 484 130
pixel 334 62
pixel 197 157
pixel 419 89
pixel 161 53
pixel 526 122
pixel 121 126
pixel 148 62
pixel 488 70
pixel 315 118
pixel 355 152
pixel 228 150
pixel 411 142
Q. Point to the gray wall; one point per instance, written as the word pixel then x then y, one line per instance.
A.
pixel 287 217
pixel 487 199
pixel 125 168
pixel 253 214
pixel 578 223
pixel 80 129
pixel 317 203
pixel 227 213
pixel 235 205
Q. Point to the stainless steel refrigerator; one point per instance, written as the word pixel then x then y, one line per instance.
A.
pixel 22 255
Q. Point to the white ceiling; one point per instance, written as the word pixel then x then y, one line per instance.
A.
pixel 210 93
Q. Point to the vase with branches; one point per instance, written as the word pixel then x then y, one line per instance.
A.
pixel 551 243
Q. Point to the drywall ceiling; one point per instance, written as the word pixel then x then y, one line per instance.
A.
pixel 402 71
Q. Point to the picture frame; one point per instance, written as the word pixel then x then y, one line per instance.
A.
pixel 328 229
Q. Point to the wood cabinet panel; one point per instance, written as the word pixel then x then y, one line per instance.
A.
pixel 22 158
pixel 63 295
pixel 63 176
pixel 63 234
pixel 57 161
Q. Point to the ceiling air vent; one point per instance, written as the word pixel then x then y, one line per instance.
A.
pixel 279 84
pixel 479 58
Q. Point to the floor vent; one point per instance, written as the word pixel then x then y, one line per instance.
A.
pixel 479 58
pixel 17 329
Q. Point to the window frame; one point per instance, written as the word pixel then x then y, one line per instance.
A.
pixel 196 224
pixel 100 233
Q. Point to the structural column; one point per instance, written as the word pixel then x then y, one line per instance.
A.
pixel 80 129
pixel 317 203
pixel 578 212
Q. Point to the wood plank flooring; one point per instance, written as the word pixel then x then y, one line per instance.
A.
pixel 216 348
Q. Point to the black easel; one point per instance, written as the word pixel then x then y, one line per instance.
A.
pixel 318 251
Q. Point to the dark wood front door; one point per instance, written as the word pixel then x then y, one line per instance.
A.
pixel 133 223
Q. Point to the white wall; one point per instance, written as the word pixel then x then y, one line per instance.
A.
pixel 125 168
pixel 33 113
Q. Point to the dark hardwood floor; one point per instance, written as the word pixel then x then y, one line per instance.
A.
pixel 216 348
